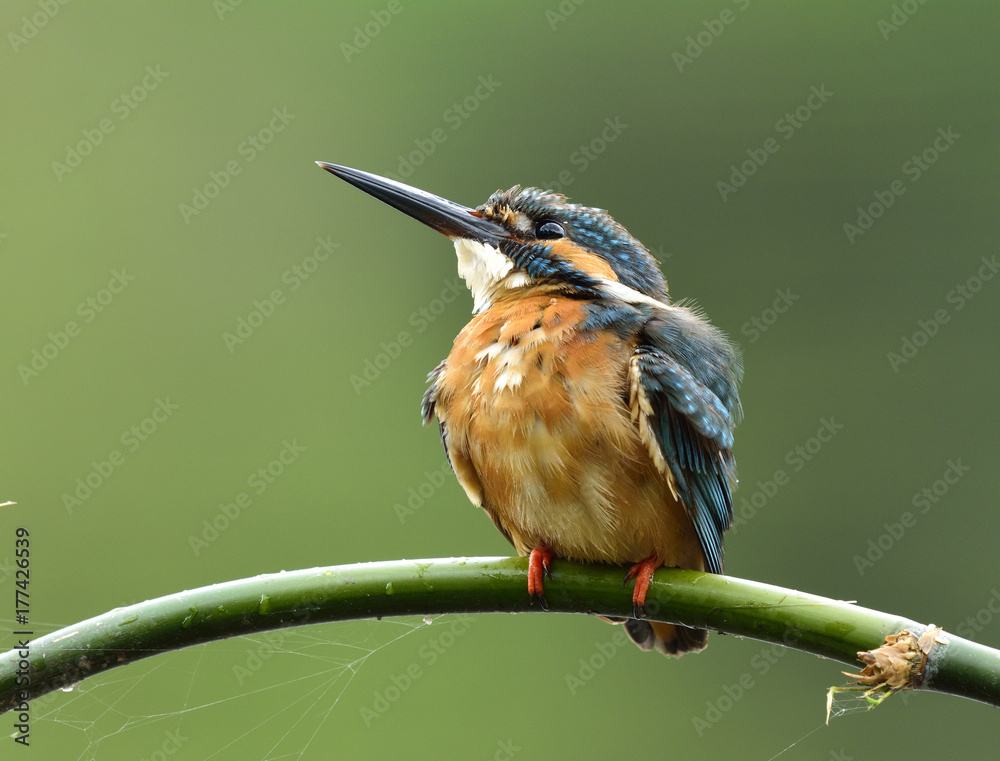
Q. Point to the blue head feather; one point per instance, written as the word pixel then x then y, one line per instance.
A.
pixel 522 209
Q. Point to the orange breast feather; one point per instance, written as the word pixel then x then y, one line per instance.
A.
pixel 539 431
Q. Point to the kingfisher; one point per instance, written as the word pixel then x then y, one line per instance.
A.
pixel 589 416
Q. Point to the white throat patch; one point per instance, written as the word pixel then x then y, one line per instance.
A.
pixel 486 270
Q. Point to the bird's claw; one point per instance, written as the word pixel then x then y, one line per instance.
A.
pixel 642 572
pixel 541 600
pixel 539 566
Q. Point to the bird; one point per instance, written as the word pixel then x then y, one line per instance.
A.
pixel 589 416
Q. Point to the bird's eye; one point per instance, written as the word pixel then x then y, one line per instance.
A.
pixel 549 231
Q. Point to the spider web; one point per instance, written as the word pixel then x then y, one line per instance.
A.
pixel 843 703
pixel 267 696
pixel 851 699
pixel 270 696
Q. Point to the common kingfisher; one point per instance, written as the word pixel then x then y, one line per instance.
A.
pixel 586 414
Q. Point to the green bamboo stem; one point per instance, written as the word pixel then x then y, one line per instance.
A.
pixel 829 628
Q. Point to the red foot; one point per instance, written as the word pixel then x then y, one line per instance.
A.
pixel 538 567
pixel 642 572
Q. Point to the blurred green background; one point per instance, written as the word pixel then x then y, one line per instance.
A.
pixel 117 117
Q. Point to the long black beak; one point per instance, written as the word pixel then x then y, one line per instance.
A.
pixel 447 217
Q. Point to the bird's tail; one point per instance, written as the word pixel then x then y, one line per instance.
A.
pixel 670 639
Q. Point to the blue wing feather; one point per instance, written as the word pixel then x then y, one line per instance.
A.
pixel 690 378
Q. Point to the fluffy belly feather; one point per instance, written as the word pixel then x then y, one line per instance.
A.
pixel 541 436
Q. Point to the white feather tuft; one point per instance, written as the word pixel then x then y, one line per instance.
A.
pixel 630 295
pixel 485 270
